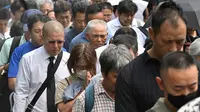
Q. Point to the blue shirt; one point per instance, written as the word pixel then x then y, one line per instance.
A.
pixel 69 35
pixel 16 57
pixel 80 38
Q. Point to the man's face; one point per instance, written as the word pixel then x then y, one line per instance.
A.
pixel 54 43
pixel 3 26
pixel 36 33
pixel 178 82
pixel 45 8
pixel 64 18
pixel 126 18
pixel 97 36
pixel 79 21
pixel 169 38
pixel 18 14
pixel 51 15
pixel 95 16
pixel 107 13
pixel 110 81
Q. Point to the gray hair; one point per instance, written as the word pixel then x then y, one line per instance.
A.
pixel 91 24
pixel 194 48
pixel 42 2
pixel 114 58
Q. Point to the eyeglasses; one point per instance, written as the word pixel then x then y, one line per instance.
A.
pixel 56 41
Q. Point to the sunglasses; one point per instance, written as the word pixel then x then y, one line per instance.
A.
pixel 56 41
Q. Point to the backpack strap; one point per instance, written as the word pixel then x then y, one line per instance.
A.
pixel 14 44
pixel 44 85
pixel 2 41
pixel 89 98
pixel 144 31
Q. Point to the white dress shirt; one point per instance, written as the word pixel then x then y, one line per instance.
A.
pixel 115 24
pixel 141 37
pixel 98 53
pixel 31 75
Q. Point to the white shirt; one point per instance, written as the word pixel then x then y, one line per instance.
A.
pixel 98 53
pixel 115 24
pixel 141 37
pixel 32 73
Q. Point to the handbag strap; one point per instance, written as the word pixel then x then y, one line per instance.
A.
pixel 44 85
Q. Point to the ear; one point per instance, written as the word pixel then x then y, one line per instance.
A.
pixel 160 83
pixel 87 36
pixel 151 34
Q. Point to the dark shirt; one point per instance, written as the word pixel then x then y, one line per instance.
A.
pixel 69 35
pixel 136 88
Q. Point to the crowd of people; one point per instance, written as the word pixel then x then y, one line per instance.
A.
pixel 98 55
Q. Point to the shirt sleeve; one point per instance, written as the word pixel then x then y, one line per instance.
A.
pixel 4 54
pixel 22 87
pixel 60 90
pixel 14 64
pixel 79 104
pixel 124 99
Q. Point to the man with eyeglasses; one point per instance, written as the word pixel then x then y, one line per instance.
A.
pixel 45 64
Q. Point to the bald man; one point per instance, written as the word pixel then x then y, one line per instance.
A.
pixel 45 67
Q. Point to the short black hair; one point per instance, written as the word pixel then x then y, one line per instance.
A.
pixel 177 60
pixel 92 9
pixel 79 7
pixel 106 5
pixel 4 14
pixel 129 41
pixel 16 29
pixel 29 4
pixel 166 11
pixel 15 6
pixel 35 18
pixel 61 6
pixel 127 6
pixel 125 30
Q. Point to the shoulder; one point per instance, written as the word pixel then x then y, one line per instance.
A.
pixel 34 53
pixel 76 38
pixel 114 21
pixel 65 55
pixel 8 42
pixel 133 67
pixel 19 48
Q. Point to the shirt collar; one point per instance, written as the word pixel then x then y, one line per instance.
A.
pixel 148 58
pixel 118 24
pixel 100 90
pixel 45 54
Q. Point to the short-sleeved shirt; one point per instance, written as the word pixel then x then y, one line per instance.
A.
pixel 16 57
pixel 60 90
pixel 5 50
pixel 102 101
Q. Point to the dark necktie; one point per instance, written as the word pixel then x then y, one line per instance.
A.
pixel 51 87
